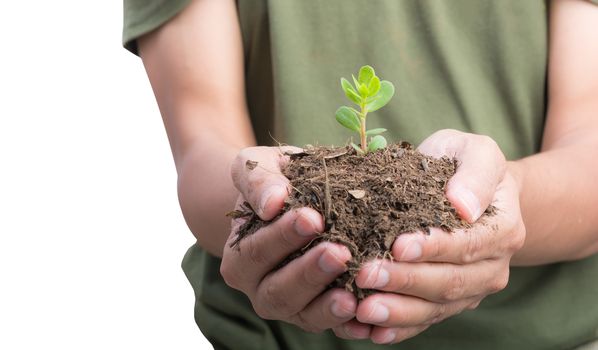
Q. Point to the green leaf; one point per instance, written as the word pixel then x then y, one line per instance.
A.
pixel 377 142
pixel 363 91
pixel 387 90
pixel 375 131
pixel 361 88
pixel 371 99
pixel 357 148
pixel 356 82
pixel 347 118
pixel 346 85
pixel 366 73
pixel 350 91
pixel 374 86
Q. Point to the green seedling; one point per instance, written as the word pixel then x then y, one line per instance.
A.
pixel 370 94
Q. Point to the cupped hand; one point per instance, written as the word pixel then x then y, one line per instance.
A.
pixel 439 275
pixel 296 292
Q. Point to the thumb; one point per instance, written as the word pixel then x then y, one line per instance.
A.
pixel 256 174
pixel 481 166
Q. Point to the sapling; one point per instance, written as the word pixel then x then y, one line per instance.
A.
pixel 370 94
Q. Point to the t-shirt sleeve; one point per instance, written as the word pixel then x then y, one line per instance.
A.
pixel 143 16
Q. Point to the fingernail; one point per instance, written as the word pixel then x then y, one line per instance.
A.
pixel 390 336
pixel 266 198
pixel 378 277
pixel 378 314
pixel 339 311
pixel 382 278
pixel 412 252
pixel 305 223
pixel 330 263
pixel 470 202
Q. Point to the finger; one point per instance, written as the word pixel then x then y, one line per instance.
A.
pixel 353 330
pixel 481 168
pixel 330 310
pixel 457 247
pixel 256 174
pixel 504 232
pixel 436 282
pixel 260 252
pixel 289 290
pixel 396 310
pixel 383 335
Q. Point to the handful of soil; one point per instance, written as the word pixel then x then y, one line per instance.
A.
pixel 366 200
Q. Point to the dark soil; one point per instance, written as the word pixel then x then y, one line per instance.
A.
pixel 366 201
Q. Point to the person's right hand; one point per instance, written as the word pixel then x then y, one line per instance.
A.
pixel 292 293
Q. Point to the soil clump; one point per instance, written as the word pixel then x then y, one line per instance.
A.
pixel 366 200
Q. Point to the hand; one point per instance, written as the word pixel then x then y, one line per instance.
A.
pixel 439 275
pixel 292 293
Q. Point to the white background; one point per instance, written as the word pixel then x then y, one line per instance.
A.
pixel 91 235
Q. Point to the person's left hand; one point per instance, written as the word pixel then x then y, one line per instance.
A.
pixel 439 275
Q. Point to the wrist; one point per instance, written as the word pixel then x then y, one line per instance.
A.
pixel 206 192
pixel 517 170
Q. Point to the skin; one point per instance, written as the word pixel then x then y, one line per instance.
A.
pixel 201 97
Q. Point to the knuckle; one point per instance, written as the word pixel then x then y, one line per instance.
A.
pixel 511 221
pixel 514 245
pixel 435 249
pixel 253 251
pixel 500 282
pixel 262 311
pixel 519 238
pixel 455 288
pixel 225 272
pixel 490 147
pixel 440 313
pixel 489 143
pixel 472 248
pixel 516 237
pixel 230 272
pixel 406 280
pixel 273 297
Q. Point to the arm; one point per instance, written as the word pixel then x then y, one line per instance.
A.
pixel 201 96
pixel 554 193
pixel 559 187
pixel 195 65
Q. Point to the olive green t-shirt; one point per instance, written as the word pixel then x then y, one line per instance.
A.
pixel 474 65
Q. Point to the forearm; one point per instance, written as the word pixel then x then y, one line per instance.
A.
pixel 559 185
pixel 206 192
pixel 558 197
pixel 195 65
pixel 205 188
